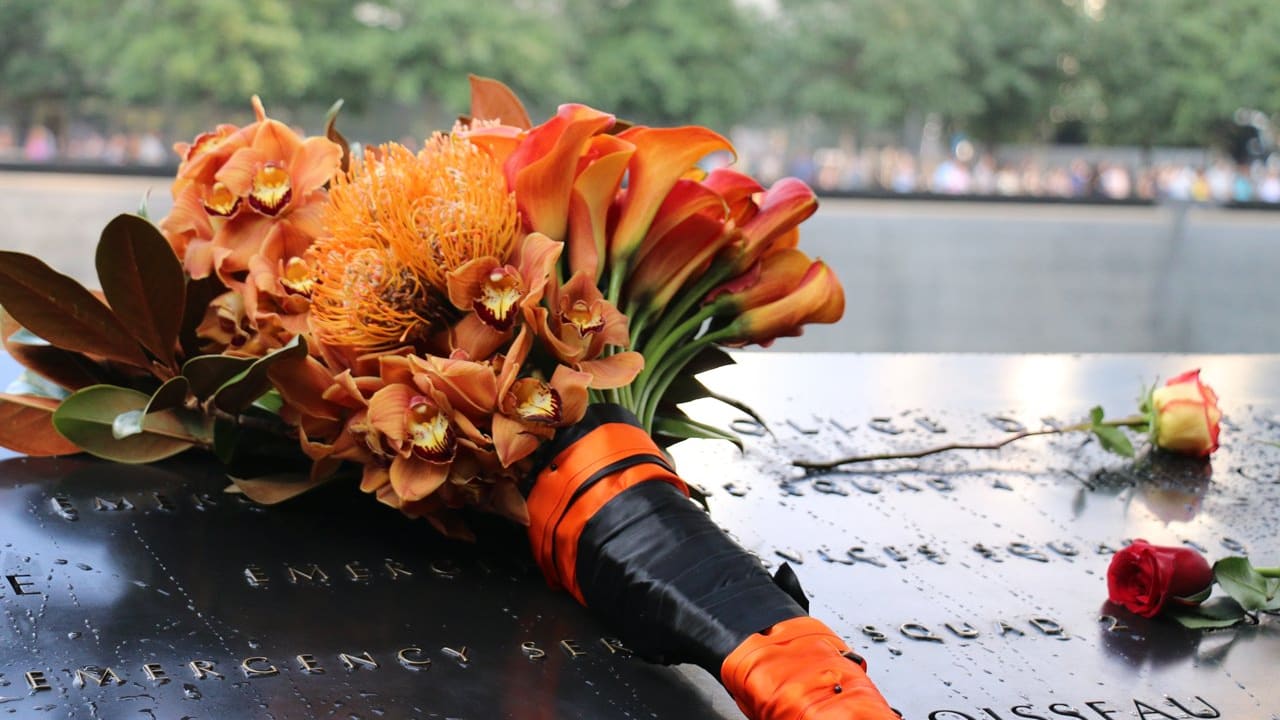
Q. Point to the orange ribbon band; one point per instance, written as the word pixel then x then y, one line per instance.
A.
pixel 557 518
pixel 800 670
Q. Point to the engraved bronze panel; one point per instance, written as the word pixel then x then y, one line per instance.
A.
pixel 973 583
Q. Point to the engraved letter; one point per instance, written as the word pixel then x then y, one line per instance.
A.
pixel 256 576
pixel 1018 710
pixel 308 663
pixel 363 659
pixel 1105 713
pixel 312 573
pixel 969 631
pixel 1005 628
pixel 1047 626
pixel 1066 710
pixel 916 631
pixel 20 586
pixel 201 668
pixel 155 672
pixel 873 633
pixel 1024 550
pixel 572 648
pixel 1146 711
pixel 532 651
pixel 991 714
pixel 37 681
pixel 250 671
pixel 1204 702
pixel 64 508
pixel 405 660
pixel 950 715
pixel 357 572
pixel 397 569
pixel 459 655
pixel 163 503
pixel 444 568
pixel 100 677
pixel 120 503
pixel 615 646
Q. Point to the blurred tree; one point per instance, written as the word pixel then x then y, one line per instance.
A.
pixel 36 76
pixel 668 62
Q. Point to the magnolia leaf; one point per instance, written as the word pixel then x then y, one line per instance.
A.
pixel 26 426
pixel 493 100
pixel 172 394
pixel 271 401
pixel 1220 613
pixel 63 312
pixel 1113 440
pixel 272 489
pixel 684 429
pixel 199 294
pixel 143 212
pixel 331 132
pixel 65 368
pixel 207 373
pixel 127 424
pixel 1246 585
pixel 89 419
pixel 144 283
pixel 30 383
pixel 241 390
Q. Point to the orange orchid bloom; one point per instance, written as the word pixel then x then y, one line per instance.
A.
pixel 579 327
pixel 816 298
pixel 495 294
pixel 530 409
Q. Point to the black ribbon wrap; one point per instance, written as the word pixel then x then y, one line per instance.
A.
pixel 665 577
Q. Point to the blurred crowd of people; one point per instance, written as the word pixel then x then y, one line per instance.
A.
pixel 1216 179
pixel 962 171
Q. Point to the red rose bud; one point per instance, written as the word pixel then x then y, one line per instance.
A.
pixel 1145 577
pixel 1186 416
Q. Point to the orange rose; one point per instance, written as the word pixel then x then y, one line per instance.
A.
pixel 1186 416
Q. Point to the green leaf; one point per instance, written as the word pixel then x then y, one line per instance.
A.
pixel 26 425
pixel 61 311
pixel 144 283
pixel 142 205
pixel 271 401
pixel 1113 440
pixel 1246 585
pixel 1095 415
pixel 684 429
pixel 127 424
pixel 241 390
pixel 331 132
pixel 207 373
pixel 89 419
pixel 1220 613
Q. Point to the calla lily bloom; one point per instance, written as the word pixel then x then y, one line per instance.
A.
pixel 817 298
pixel 783 206
pixel 770 279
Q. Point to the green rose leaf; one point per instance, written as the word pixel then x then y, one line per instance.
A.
pixel 60 310
pixel 1246 585
pixel 1113 440
pixel 1223 612
pixel 108 421
pixel 144 283
pixel 241 390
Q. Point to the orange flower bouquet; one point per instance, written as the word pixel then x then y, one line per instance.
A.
pixel 505 320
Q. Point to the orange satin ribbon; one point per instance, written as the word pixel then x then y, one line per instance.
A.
pixel 557 519
pixel 799 670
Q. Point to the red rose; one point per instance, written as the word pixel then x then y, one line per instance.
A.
pixel 1144 577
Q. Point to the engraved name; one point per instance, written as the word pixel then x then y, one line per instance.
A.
pixel 1170 708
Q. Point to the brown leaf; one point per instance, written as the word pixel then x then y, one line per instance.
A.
pixel 71 370
pixel 272 489
pixel 60 310
pixel 26 425
pixel 143 282
pixel 331 132
pixel 493 100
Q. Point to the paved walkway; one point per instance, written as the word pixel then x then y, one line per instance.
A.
pixel 919 276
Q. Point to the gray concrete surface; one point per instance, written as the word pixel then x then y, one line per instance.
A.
pixel 919 276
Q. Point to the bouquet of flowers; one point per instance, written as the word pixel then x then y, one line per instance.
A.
pixel 505 320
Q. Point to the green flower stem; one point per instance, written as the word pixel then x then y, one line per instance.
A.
pixel 1131 421
pixel 1271 572
pixel 687 300
pixel 617 275
pixel 663 344
pixel 663 376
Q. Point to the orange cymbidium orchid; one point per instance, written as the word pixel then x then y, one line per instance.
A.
pixel 530 409
pixel 580 325
pixel 789 293
pixel 495 294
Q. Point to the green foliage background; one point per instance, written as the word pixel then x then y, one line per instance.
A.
pixel 1144 72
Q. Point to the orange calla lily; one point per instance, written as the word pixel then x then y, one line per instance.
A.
pixel 594 193
pixel 784 206
pixel 817 298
